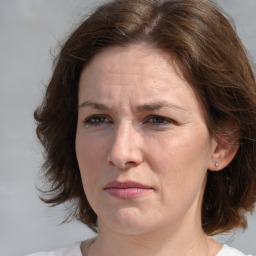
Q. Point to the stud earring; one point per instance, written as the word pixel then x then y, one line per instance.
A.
pixel 216 164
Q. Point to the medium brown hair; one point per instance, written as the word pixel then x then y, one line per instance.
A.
pixel 200 38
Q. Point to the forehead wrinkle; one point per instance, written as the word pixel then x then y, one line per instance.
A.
pixel 140 79
pixel 146 72
pixel 167 75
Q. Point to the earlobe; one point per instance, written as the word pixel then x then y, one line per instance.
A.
pixel 222 155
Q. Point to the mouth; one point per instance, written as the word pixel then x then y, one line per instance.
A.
pixel 127 190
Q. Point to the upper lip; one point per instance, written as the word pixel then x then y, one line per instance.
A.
pixel 126 184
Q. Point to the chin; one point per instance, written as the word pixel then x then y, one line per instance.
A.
pixel 128 221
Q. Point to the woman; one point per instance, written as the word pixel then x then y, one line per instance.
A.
pixel 149 127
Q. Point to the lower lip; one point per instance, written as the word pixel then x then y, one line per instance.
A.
pixel 127 193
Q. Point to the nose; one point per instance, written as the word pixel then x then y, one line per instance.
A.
pixel 125 151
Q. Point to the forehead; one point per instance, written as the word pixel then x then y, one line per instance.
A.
pixel 141 56
pixel 136 64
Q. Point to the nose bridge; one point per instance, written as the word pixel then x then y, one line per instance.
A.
pixel 125 148
pixel 123 132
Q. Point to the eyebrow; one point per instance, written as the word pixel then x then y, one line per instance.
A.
pixel 94 105
pixel 145 107
pixel 157 106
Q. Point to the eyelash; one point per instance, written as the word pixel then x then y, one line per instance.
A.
pixel 159 120
pixel 96 120
pixel 154 120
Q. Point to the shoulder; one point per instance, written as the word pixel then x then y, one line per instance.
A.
pixel 69 251
pixel 229 251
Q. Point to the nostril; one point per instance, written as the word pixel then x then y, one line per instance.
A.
pixel 130 163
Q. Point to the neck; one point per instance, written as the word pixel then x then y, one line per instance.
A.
pixel 161 242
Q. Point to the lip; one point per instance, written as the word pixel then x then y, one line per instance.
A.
pixel 127 189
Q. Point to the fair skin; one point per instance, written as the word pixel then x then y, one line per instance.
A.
pixel 140 122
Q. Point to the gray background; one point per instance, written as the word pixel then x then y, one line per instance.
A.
pixel 28 30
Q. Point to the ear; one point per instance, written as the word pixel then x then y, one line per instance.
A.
pixel 222 154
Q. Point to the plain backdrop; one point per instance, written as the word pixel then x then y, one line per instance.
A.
pixel 29 33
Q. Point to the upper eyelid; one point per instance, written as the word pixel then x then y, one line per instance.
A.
pixel 159 116
pixel 96 116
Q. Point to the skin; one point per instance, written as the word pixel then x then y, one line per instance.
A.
pixel 139 120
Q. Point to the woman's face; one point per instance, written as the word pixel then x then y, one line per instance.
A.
pixel 142 143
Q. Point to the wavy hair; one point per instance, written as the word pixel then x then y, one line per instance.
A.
pixel 208 51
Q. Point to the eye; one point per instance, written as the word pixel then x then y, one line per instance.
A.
pixel 96 120
pixel 158 120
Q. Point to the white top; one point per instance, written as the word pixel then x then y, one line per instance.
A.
pixel 229 251
pixel 76 251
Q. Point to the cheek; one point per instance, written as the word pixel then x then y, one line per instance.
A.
pixel 180 160
pixel 87 153
pixel 89 156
